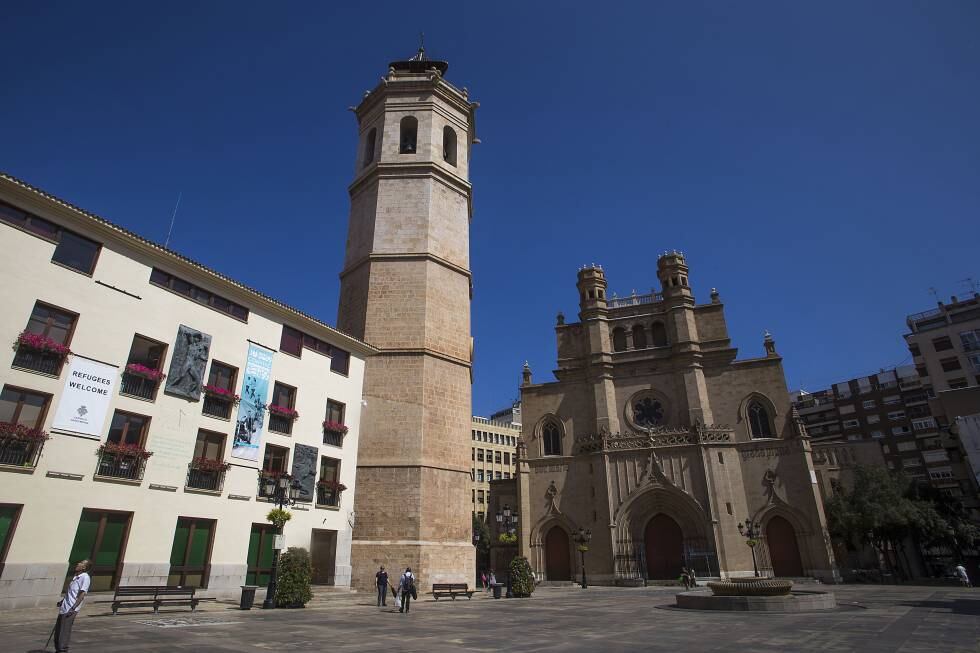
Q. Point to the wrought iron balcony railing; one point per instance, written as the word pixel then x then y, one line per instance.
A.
pixel 20 453
pixel 38 361
pixel 122 466
pixel 208 480
pixel 138 386
pixel 217 407
pixel 280 424
pixel 327 497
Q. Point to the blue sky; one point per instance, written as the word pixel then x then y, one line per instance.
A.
pixel 819 163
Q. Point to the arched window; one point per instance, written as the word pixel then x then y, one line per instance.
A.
pixel 759 423
pixel 409 135
pixel 369 147
pixel 552 439
pixel 619 339
pixel 659 334
pixel 639 337
pixel 449 145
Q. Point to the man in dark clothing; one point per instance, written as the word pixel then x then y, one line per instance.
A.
pixel 406 589
pixel 382 578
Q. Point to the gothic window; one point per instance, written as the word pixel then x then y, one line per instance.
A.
pixel 449 145
pixel 639 337
pixel 552 439
pixel 759 422
pixel 369 147
pixel 619 339
pixel 648 412
pixel 409 135
pixel 659 334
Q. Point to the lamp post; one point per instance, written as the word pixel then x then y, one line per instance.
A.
pixel 582 538
pixel 283 493
pixel 750 530
pixel 507 523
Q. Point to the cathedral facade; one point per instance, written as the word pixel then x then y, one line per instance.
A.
pixel 662 446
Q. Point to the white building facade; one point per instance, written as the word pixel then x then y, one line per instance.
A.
pixel 148 447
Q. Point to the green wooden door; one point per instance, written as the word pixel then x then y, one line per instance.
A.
pixel 260 554
pixel 190 557
pixel 101 538
pixel 8 520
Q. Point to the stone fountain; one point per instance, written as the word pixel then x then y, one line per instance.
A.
pixel 755 594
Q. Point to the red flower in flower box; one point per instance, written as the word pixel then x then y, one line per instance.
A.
pixel 138 369
pixel 209 465
pixel 282 411
pixel 334 427
pixel 39 343
pixel 337 486
pixel 20 433
pixel 221 393
pixel 124 450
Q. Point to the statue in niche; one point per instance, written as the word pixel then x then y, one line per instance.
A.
pixel 188 363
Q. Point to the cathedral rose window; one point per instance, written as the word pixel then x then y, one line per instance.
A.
pixel 648 412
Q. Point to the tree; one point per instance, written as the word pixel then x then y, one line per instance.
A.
pixel 483 545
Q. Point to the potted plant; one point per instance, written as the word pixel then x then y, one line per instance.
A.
pixel 335 486
pixel 124 450
pixel 278 517
pixel 10 432
pixel 209 465
pixel 521 577
pixel 221 393
pixel 508 538
pixel 41 344
pixel 329 426
pixel 282 411
pixel 138 369
pixel 293 582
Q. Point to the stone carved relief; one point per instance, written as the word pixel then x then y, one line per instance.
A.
pixel 769 480
pixel 189 361
pixel 304 469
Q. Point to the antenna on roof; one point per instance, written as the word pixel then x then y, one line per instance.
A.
pixel 173 217
pixel 935 295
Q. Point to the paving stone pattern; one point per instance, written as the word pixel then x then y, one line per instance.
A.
pixel 875 619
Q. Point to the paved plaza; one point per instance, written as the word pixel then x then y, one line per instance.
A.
pixel 875 619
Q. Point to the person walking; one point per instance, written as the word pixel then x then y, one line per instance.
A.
pixel 406 587
pixel 962 575
pixel 69 606
pixel 492 579
pixel 483 578
pixel 382 580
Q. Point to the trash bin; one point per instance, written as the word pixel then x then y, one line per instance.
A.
pixel 248 596
pixel 496 590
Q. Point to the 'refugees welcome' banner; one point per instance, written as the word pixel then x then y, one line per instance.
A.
pixel 85 400
pixel 251 410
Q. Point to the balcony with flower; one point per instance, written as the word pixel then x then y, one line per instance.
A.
pixel 122 461
pixel 328 493
pixel 39 353
pixel 219 401
pixel 281 418
pixel 20 445
pixel 141 381
pixel 206 474
pixel 334 432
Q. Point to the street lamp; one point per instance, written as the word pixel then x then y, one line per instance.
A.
pixel 750 530
pixel 582 538
pixel 283 493
pixel 507 523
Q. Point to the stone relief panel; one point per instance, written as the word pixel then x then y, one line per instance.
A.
pixel 304 470
pixel 190 359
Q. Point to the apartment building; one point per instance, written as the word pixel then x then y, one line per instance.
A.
pixel 945 344
pixel 149 406
pixel 494 457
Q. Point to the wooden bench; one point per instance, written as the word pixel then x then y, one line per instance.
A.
pixel 451 589
pixel 155 595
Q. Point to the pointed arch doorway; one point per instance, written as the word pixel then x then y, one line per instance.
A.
pixel 784 552
pixel 557 561
pixel 664 543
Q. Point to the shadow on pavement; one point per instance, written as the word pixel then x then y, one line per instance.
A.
pixel 956 606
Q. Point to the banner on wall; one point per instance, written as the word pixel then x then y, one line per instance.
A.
pixel 251 410
pixel 85 400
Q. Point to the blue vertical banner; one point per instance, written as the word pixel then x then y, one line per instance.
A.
pixel 251 410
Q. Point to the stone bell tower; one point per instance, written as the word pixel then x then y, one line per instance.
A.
pixel 405 288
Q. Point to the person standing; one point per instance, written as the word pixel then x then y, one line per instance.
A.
pixel 382 580
pixel 492 580
pixel 483 577
pixel 69 606
pixel 962 575
pixel 406 588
